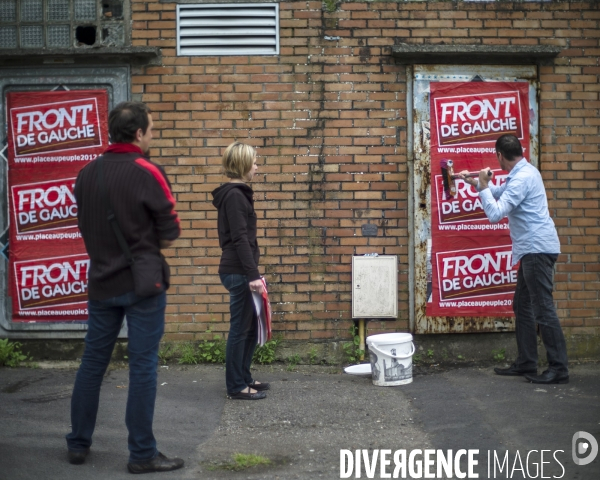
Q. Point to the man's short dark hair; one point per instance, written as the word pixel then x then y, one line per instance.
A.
pixel 126 119
pixel 509 146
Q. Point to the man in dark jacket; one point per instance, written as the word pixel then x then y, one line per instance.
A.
pixel 139 193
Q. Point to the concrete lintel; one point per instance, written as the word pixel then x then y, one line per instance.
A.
pixel 90 55
pixel 475 54
pixel 183 2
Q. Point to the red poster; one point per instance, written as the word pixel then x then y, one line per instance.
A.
pixel 62 126
pixel 49 282
pixel 474 273
pixel 51 136
pixel 44 206
pixel 471 260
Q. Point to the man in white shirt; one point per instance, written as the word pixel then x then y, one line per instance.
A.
pixel 535 244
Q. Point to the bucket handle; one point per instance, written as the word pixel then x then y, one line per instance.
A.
pixel 397 357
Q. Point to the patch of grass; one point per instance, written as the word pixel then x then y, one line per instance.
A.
pixel 430 354
pixel 292 361
pixel 312 356
pixel 242 461
pixel 330 5
pixel 265 355
pixel 499 355
pixel 208 351
pixel 166 352
pixel 10 353
pixel 211 351
pixel 351 350
pixel 188 354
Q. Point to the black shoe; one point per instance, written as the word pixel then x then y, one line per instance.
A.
pixel 260 387
pixel 160 463
pixel 549 377
pixel 514 371
pixel 246 395
pixel 77 457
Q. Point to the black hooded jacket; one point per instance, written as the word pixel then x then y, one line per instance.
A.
pixel 237 230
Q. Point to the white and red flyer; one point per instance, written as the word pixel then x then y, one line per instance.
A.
pixel 51 136
pixel 49 282
pixel 472 271
pixel 44 206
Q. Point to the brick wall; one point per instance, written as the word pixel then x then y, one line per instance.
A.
pixel 329 120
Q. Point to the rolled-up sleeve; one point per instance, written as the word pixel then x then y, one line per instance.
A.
pixel 509 196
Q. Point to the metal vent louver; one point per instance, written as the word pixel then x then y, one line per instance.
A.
pixel 222 29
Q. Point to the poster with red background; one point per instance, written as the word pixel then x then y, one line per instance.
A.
pixel 471 259
pixel 51 136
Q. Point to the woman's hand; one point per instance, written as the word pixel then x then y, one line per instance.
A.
pixel 257 286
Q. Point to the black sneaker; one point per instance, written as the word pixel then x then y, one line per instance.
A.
pixel 160 463
pixel 77 457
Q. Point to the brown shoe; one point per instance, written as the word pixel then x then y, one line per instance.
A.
pixel 160 463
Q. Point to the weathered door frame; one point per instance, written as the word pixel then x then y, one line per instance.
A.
pixel 419 205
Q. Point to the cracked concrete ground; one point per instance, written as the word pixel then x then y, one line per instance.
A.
pixel 310 414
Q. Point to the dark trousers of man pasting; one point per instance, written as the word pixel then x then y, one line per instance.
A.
pixel 533 304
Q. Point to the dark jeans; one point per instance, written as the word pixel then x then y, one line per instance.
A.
pixel 533 303
pixel 145 323
pixel 242 332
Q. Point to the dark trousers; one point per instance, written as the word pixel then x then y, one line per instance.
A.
pixel 242 332
pixel 533 304
pixel 145 323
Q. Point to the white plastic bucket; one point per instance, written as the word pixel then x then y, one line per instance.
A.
pixel 391 358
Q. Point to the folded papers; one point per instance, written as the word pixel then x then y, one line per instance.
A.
pixel 263 314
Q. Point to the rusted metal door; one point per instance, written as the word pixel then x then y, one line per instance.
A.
pixel 116 81
pixel 419 158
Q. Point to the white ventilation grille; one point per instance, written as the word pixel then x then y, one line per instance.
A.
pixel 221 29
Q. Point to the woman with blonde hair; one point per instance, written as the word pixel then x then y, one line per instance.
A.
pixel 238 268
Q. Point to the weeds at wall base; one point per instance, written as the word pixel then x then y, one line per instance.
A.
pixel 352 352
pixel 212 351
pixel 10 353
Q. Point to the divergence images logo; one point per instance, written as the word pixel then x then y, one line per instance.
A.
pixel 581 447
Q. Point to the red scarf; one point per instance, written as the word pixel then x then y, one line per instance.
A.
pixel 123 148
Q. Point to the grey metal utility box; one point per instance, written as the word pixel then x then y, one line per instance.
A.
pixel 375 286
